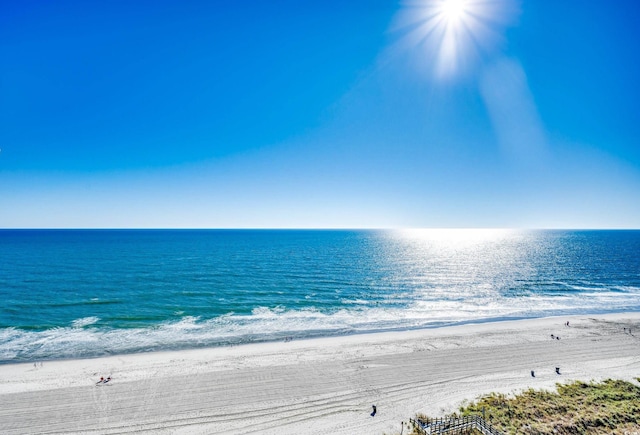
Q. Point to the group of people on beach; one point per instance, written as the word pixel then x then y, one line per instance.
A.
pixel 553 337
pixel 533 373
pixel 103 380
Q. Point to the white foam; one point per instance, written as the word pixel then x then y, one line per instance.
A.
pixel 85 321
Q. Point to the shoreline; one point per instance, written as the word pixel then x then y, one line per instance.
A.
pixel 318 336
pixel 316 385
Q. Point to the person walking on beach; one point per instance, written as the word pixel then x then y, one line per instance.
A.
pixel 374 410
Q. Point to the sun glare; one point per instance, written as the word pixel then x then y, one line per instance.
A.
pixel 456 237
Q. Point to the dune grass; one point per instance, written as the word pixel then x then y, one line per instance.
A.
pixel 607 407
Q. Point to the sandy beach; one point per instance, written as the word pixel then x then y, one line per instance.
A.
pixel 319 386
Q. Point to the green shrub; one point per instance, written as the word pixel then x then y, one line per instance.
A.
pixel 608 407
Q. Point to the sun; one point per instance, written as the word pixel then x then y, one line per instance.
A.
pixel 453 10
pixel 454 35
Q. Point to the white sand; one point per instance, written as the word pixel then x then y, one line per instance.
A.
pixel 321 386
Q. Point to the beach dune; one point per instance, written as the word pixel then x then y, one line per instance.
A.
pixel 318 386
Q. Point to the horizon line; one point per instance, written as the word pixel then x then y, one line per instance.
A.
pixel 312 228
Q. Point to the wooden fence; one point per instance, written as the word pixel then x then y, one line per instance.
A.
pixel 454 426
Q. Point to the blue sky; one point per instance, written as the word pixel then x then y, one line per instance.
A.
pixel 320 114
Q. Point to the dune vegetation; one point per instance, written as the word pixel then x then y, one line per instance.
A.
pixel 607 407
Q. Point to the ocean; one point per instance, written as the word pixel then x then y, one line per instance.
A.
pixel 89 293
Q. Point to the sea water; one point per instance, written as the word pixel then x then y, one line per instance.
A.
pixel 87 293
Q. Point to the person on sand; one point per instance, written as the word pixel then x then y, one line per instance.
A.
pixel 558 370
pixel 533 374
pixel 107 380
pixel 101 380
pixel 374 410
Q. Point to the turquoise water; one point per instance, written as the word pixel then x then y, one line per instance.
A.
pixel 84 293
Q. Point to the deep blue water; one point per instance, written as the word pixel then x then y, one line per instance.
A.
pixel 82 293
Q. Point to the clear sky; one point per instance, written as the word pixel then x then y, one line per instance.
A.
pixel 320 114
